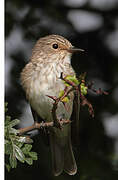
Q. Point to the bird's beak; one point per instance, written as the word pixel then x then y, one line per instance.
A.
pixel 73 49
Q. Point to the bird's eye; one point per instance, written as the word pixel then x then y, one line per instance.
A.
pixel 55 46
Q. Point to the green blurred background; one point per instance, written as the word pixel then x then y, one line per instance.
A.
pixel 88 24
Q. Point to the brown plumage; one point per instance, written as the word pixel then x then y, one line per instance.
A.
pixel 41 77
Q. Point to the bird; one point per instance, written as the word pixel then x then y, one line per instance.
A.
pixel 40 78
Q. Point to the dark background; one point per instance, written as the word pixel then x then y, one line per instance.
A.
pixel 88 24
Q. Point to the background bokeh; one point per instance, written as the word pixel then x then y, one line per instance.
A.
pixel 88 24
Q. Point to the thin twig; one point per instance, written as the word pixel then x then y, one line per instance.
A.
pixel 99 91
pixel 84 102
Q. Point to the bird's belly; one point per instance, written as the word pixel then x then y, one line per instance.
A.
pixel 43 104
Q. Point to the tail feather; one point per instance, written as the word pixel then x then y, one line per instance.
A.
pixel 62 155
pixel 70 166
pixel 57 153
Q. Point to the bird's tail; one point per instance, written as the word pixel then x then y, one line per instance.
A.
pixel 62 154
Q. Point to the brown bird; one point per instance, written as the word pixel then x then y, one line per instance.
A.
pixel 41 77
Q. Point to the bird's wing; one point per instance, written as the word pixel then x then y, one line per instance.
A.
pixel 43 131
pixel 36 117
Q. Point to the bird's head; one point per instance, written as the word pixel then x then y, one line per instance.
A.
pixel 54 47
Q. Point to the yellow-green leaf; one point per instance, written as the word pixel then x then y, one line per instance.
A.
pixel 65 99
pixel 72 78
pixel 29 161
pixel 83 89
pixel 61 93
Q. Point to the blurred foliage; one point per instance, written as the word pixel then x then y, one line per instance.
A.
pixel 16 147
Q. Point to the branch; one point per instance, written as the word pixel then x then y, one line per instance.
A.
pixel 99 91
pixel 41 125
pixel 56 100
pixel 84 102
pixel 57 122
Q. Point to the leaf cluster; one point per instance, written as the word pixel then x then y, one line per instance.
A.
pixel 17 148
pixel 77 82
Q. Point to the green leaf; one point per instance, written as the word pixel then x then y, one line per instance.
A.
pixel 61 93
pixel 28 140
pixel 19 154
pixel 83 89
pixel 24 139
pixel 14 123
pixel 7 120
pixel 33 155
pixel 15 149
pixel 65 99
pixel 8 148
pixel 26 148
pixel 29 161
pixel 73 79
pixel 6 141
pixel 8 167
pixel 13 130
pixel 12 160
pixel 17 143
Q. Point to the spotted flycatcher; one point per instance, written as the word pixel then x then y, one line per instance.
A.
pixel 51 56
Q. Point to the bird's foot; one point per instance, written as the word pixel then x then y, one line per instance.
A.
pixel 58 124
